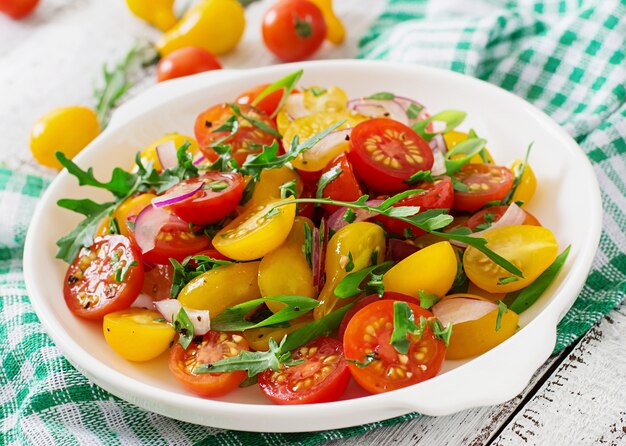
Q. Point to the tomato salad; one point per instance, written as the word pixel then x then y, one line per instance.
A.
pixel 301 239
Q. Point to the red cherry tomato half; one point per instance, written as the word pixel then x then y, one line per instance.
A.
pixel 293 29
pixel 157 281
pixel 369 331
pixel 185 62
pixel 268 104
pixel 175 241
pixel 215 346
pixel 307 209
pixel 437 195
pixel 385 153
pixel 322 377
pixel 18 9
pixel 485 183
pixel 345 187
pixel 389 295
pixel 103 278
pixel 248 139
pixel 495 213
pixel 218 197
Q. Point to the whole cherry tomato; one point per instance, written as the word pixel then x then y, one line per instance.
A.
pixel 185 62
pixel 18 9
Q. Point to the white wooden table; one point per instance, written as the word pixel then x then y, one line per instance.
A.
pixel 53 59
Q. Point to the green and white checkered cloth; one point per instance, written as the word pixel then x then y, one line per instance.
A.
pixel 566 57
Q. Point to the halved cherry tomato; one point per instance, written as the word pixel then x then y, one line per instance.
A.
pixel 103 278
pixel 495 213
pixel 485 183
pixel 369 331
pixel 268 187
pixel 268 104
pixel 185 62
pixel 437 195
pixel 531 248
pixel 256 232
pixel 362 303
pixel 453 137
pixel 385 153
pixel 293 30
pixel 249 139
pixel 157 281
pixel 345 187
pixel 527 185
pixel 321 378
pixel 149 153
pixel 176 241
pixel 218 197
pixel 214 346
pixel 259 338
pixel 307 209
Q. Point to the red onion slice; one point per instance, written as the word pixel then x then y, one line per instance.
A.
pixel 316 258
pixel 336 220
pixel 514 215
pixel 177 193
pixel 375 108
pixel 294 106
pixel 166 152
pixel 148 225
pixel 400 250
pixel 461 309
pixel 199 160
pixel 200 319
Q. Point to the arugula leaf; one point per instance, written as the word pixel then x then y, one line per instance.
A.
pixel 403 324
pixel 419 176
pixel 185 271
pixel 255 122
pixel 114 226
pixel 400 196
pixel 287 84
pixel 253 362
pixel 121 273
pixel 307 245
pixel 350 285
pixel 458 185
pixel 452 119
pixel 382 96
pixel 234 318
pixel 442 333
pixel 488 219
pixel 349 215
pixel 327 178
pixel 523 299
pixel 427 300
pixel 468 149
pixel 369 358
pixel 183 326
pixel 501 310
pixel 319 327
pixel 288 189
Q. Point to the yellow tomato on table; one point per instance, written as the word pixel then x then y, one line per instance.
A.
pixel 256 232
pixel 137 334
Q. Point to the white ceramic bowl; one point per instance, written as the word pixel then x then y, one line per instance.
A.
pixel 565 179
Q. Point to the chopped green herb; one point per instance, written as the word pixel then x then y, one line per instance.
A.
pixel 518 177
pixel 419 176
pixel 190 268
pixel 307 245
pixel 349 215
pixel 350 285
pixel 261 125
pixel 458 185
pixel 382 96
pixel 350 264
pixel 287 84
pixel 442 333
pixel 408 232
pixel 183 326
pixel 452 119
pixel 508 279
pixel 467 149
pixel 403 324
pixel 216 186
pixel 414 111
pixel 114 227
pixel 317 92
pixel 369 358
pixel 427 300
pixel 502 308
pixel 488 219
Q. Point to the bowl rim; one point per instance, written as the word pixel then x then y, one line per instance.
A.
pixel 122 385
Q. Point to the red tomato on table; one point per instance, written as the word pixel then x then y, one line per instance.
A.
pixel 385 153
pixel 185 62
pixel 485 183
pixel 322 377
pixel 103 278
pixel 369 331
pixel 18 9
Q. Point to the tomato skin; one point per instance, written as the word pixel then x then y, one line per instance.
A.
pixel 93 274
pixel 391 370
pixel 241 143
pixel 157 281
pixel 385 153
pixel 333 372
pixel 210 206
pixel 269 104
pixel 437 195
pixel 185 62
pixel 214 347
pixel 364 302
pixel 18 9
pixel 345 187
pixel 486 182
pixel 497 211
pixel 293 29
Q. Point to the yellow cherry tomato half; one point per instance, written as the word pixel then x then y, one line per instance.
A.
pixel 259 338
pixel 453 137
pixel 358 240
pixel 137 334
pixel 65 129
pixel 331 99
pixel 257 231
pixel 222 287
pixel 475 337
pixel 431 269
pixel 268 187
pixel 149 154
pixel 527 185
pixel 285 270
pixel 129 207
pixel 530 248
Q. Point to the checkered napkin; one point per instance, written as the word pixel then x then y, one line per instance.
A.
pixel 566 57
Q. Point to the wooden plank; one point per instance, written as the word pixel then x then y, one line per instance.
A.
pixel 472 427
pixel 584 401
